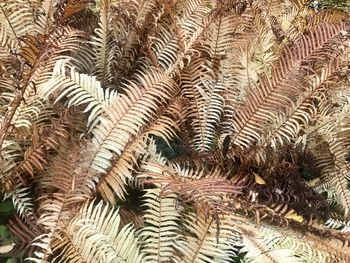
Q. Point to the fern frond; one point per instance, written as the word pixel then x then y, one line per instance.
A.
pixel 64 173
pixel 94 235
pixel 328 16
pixel 174 99
pixel 10 153
pixel 260 249
pixel 61 41
pixel 79 89
pixel 128 23
pixel 332 157
pixel 104 45
pixel 64 187
pixel 7 43
pixel 288 125
pixel 46 17
pixel 23 203
pixel 53 214
pixel 35 156
pixel 273 94
pixel 115 180
pixel 33 111
pixel 333 249
pixel 165 126
pixel 203 242
pixel 205 95
pixel 67 9
pixel 17 17
pixel 208 191
pixel 25 234
pixel 191 24
pixel 279 242
pixel 340 182
pixel 342 226
pixel 129 216
pixel 160 233
pixel 128 114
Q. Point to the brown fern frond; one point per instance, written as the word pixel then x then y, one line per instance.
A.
pixel 64 177
pixel 25 235
pixel 288 125
pixel 328 16
pixel 274 94
pixel 68 8
pixel 128 216
pixel 104 44
pixel 35 156
pixel 207 190
pixel 232 117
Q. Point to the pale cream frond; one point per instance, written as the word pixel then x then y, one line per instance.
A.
pixel 80 90
pixel 93 235
pixel 128 114
pixel 259 248
pixel 123 167
pixel 10 152
pixel 159 236
pixel 205 244
pixel 17 18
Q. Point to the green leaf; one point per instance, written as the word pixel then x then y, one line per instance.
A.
pixel 6 210
pixel 5 234
pixel 6 207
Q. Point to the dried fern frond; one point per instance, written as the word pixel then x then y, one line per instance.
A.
pixel 115 180
pixel 10 152
pixel 274 94
pixel 219 111
pixel 205 94
pixel 128 114
pixel 17 18
pixel 23 203
pixel 288 124
pixel 160 233
pixel 343 226
pixel 332 152
pixel 104 44
pixel 190 26
pixel 207 190
pixel 205 243
pixel 94 235
pixel 25 234
pixel 272 243
pixel 258 249
pixel 37 71
pixel 80 89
